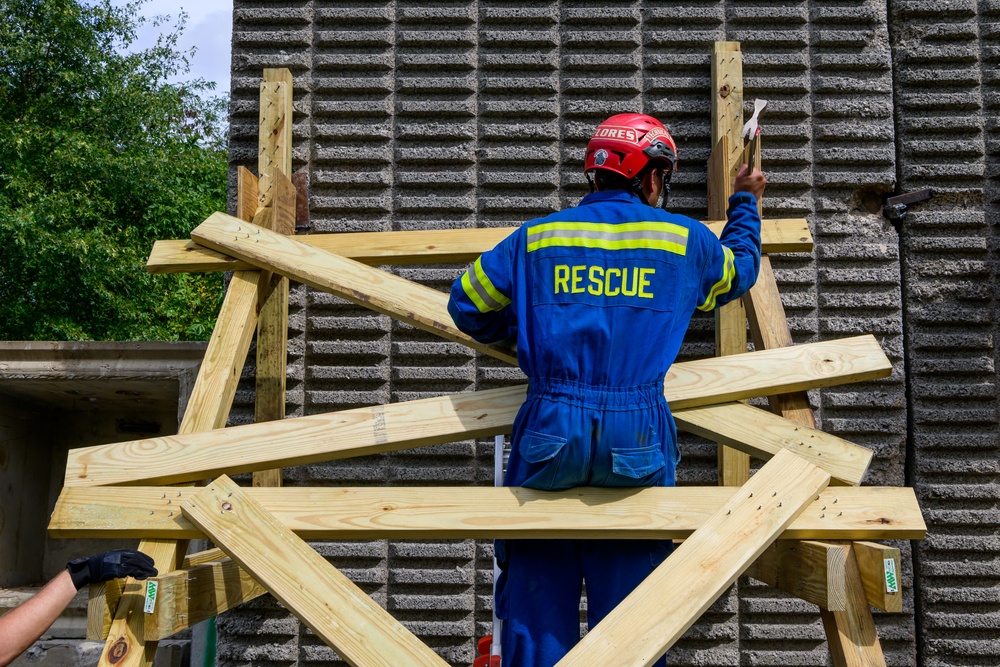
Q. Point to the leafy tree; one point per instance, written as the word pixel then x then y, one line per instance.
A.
pixel 101 156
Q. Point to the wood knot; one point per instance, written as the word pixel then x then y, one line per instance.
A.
pixel 118 651
pixel 227 507
pixel 725 90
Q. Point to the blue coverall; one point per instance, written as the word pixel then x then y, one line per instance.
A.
pixel 599 297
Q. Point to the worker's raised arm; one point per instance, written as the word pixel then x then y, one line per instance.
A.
pixel 480 297
pixel 732 264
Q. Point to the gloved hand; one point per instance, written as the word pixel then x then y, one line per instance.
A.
pixel 110 565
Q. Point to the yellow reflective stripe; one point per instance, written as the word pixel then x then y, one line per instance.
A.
pixel 610 236
pixel 471 293
pixel 603 244
pixel 647 225
pixel 724 284
pixel 496 295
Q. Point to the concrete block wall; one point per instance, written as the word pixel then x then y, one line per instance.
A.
pixel 448 114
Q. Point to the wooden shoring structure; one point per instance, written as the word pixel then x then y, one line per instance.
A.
pixel 781 526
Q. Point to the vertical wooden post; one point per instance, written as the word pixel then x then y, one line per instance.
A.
pixel 851 633
pixel 276 194
pixel 727 124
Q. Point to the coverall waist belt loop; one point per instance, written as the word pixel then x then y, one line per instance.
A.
pixel 598 397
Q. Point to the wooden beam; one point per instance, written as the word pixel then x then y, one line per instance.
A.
pixel 207 556
pixel 868 513
pixel 171 459
pixel 423 307
pixel 210 583
pixel 762 434
pixel 277 195
pixel 207 408
pixel 432 246
pixel 881 576
pixel 769 329
pixel 813 571
pixel 102 602
pixel 727 99
pixel 194 594
pixel 642 627
pixel 730 319
pixel 851 633
pixel 272 326
pixel 333 607
pixel 275 136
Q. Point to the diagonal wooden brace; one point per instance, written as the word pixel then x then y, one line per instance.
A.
pixel 654 616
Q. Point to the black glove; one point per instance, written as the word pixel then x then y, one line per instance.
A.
pixel 110 565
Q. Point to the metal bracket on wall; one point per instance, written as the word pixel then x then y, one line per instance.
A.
pixel 895 208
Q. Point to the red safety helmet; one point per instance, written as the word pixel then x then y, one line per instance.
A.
pixel 627 142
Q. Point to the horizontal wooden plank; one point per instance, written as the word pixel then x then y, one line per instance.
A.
pixel 866 513
pixel 425 247
pixel 808 569
pixel 763 434
pixel 330 604
pixel 171 459
pixel 413 303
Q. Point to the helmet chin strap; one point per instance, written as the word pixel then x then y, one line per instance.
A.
pixel 666 188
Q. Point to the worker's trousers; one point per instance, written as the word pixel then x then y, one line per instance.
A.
pixel 567 435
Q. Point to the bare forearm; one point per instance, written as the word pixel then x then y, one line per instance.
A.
pixel 20 628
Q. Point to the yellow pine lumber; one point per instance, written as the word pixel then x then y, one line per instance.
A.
pixel 170 459
pixel 867 513
pixel 275 135
pixel 207 556
pixel 277 196
pixel 730 319
pixel 102 601
pixel 762 434
pixel 789 369
pixel 813 571
pixel 126 644
pixel 207 408
pixel 654 616
pixel 727 98
pixel 423 307
pixel 333 607
pixel 427 247
pixel 197 593
pixel 769 329
pixel 850 633
pixel 872 568
pixel 272 325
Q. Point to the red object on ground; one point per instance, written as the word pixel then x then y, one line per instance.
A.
pixel 483 647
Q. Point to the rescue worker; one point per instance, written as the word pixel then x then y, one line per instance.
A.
pixel 598 298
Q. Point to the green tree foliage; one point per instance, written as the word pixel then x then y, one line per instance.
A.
pixel 101 156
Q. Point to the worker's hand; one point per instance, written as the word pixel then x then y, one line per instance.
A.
pixel 753 182
pixel 110 565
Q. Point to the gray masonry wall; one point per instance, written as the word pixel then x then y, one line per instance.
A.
pixel 421 115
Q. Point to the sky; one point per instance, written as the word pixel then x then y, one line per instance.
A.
pixel 209 29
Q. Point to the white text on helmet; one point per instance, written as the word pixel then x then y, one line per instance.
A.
pixel 612 132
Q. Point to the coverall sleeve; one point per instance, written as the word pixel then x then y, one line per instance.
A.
pixel 733 260
pixel 480 302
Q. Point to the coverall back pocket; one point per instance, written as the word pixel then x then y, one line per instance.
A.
pixel 541 451
pixel 635 466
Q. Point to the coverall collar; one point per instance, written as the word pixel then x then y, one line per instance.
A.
pixel 611 195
